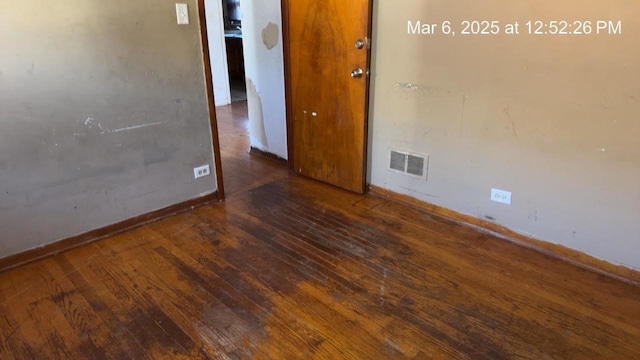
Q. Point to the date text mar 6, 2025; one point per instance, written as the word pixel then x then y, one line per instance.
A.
pixel 529 27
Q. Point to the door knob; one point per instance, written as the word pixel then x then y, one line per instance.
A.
pixel 360 44
pixel 357 73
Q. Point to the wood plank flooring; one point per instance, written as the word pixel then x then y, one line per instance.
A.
pixel 242 171
pixel 288 268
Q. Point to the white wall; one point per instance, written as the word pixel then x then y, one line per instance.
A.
pixel 264 70
pixel 218 52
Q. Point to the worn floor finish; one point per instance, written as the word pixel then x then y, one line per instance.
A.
pixel 241 171
pixel 293 269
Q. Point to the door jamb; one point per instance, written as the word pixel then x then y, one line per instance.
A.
pixel 208 77
pixel 367 100
pixel 284 5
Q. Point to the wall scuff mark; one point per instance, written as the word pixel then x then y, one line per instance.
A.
pixel 134 127
pixel 411 90
pixel 406 86
pixel 91 122
pixel 464 105
pixel 513 124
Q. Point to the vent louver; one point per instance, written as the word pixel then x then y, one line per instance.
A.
pixel 408 163
pixel 415 165
pixel 398 161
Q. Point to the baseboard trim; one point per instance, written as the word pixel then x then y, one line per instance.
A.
pixel 268 155
pixel 57 247
pixel 560 252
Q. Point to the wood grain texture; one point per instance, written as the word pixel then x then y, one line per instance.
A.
pixel 42 252
pixel 327 107
pixel 558 251
pixel 289 268
pixel 240 170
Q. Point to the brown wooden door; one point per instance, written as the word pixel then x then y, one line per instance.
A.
pixel 326 105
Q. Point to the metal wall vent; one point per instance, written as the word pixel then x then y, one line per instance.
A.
pixel 415 165
pixel 408 163
pixel 398 161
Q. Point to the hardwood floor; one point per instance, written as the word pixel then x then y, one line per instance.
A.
pixel 288 268
pixel 241 170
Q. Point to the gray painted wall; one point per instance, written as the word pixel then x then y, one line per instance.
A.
pixel 553 119
pixel 103 115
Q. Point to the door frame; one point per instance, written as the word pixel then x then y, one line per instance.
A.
pixel 284 8
pixel 284 4
pixel 208 78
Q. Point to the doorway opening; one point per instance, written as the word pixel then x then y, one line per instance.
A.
pixel 248 84
pixel 232 20
pixel 321 138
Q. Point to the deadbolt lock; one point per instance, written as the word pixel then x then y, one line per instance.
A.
pixel 360 44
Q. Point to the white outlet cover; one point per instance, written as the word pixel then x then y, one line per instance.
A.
pixel 501 196
pixel 201 171
pixel 182 13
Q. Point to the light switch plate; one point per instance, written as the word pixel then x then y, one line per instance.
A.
pixel 182 12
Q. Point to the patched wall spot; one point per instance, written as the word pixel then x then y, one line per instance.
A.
pixel 256 115
pixel 270 36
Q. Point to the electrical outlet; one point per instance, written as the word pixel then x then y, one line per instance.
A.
pixel 201 171
pixel 501 196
